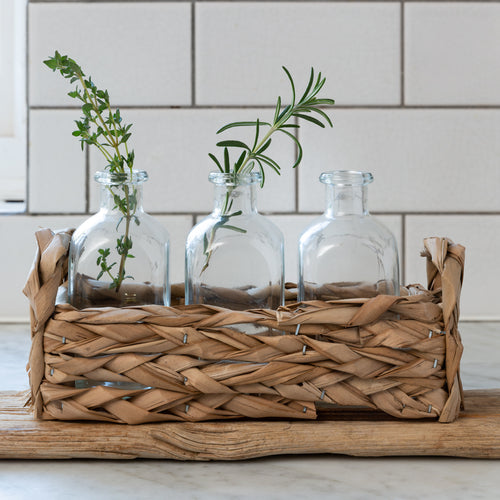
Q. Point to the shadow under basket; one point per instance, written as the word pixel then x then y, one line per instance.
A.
pixel 397 355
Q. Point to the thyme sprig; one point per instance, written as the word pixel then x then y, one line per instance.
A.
pixel 307 107
pixel 103 128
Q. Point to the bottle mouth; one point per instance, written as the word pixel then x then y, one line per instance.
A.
pixel 346 178
pixel 108 178
pixel 232 179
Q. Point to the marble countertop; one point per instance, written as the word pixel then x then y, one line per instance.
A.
pixel 305 476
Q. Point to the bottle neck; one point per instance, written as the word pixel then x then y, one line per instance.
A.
pixel 230 198
pixel 130 194
pixel 345 200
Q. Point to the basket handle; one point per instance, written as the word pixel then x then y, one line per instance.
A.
pixel 445 270
pixel 48 271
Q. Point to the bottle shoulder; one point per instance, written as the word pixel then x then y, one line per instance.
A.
pixel 108 225
pixel 245 224
pixel 325 228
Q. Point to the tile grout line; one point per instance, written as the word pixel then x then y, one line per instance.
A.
pixel 193 53
pixel 403 250
pixel 266 212
pixel 27 169
pixel 297 131
pixel 254 1
pixel 87 178
pixel 402 52
pixel 217 107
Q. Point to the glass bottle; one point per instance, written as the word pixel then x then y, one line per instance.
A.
pixel 234 257
pixel 347 253
pixel 119 240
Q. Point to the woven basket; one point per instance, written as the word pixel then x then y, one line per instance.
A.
pixel 400 355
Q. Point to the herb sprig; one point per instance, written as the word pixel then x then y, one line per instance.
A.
pixel 103 128
pixel 307 107
pixel 302 108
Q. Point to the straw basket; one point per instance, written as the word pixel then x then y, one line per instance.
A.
pixel 399 355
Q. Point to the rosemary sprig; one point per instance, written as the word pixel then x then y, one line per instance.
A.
pixel 307 107
pixel 101 127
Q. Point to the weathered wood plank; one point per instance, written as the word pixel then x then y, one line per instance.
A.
pixel 475 434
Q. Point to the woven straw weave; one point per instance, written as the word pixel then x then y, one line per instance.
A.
pixel 400 355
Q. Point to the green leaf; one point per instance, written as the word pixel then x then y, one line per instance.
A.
pixel 299 147
pixel 269 162
pixel 264 147
pixel 51 63
pixel 87 108
pixel 256 135
pixel 277 110
pixel 309 85
pixel 240 161
pixel 323 114
pixel 240 124
pixel 292 84
pixel 233 144
pixel 234 228
pixel 216 161
pixel 318 87
pixel 309 119
pixel 324 102
pixel 227 166
pixel 119 222
pixel 261 168
pixel 125 138
pixel 286 112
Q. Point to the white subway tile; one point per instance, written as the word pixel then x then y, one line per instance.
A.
pixel 140 52
pixel 293 225
pixel 480 235
pixel 240 48
pixel 56 163
pixel 422 160
pixel 178 227
pixel 16 255
pixel 452 53
pixel 173 146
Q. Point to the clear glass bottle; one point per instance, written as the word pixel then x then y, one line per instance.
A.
pixel 234 257
pixel 347 253
pixel 144 264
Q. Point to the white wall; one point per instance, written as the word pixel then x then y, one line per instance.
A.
pixel 416 85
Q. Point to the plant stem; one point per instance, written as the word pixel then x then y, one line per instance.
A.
pixel 109 135
pixel 127 230
pixel 224 211
pixel 256 148
pixel 113 141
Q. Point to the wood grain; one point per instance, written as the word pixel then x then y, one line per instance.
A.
pixel 476 434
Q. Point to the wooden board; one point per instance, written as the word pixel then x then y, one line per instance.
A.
pixel 475 434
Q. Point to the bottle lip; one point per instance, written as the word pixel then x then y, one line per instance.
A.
pixel 346 178
pixel 232 179
pixel 108 178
